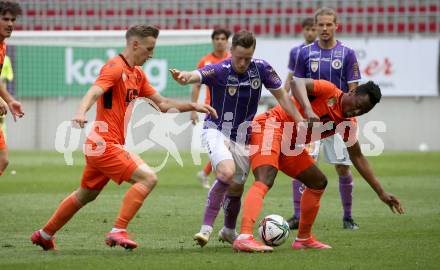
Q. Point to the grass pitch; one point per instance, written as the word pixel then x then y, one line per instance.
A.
pixel 172 214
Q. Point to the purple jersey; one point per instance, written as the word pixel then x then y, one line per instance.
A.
pixel 293 57
pixel 235 96
pixel 337 65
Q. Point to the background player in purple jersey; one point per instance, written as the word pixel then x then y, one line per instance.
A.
pixel 329 59
pixel 309 34
pixel 235 85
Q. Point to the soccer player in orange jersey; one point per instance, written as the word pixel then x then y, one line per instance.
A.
pixel 8 13
pixel 276 136
pixel 219 39
pixel 120 81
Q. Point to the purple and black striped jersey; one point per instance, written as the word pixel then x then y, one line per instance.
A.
pixel 235 96
pixel 337 65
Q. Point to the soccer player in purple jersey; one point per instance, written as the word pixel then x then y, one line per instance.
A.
pixel 329 59
pixel 309 34
pixel 235 85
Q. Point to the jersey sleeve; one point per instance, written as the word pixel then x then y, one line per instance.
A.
pixel 293 56
pixel 209 73
pixel 351 67
pixel 146 88
pixel 300 67
pixel 109 75
pixel 270 78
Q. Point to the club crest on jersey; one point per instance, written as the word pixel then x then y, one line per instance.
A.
pixel 331 101
pixel 314 66
pixel 336 64
pixel 255 83
pixel 232 90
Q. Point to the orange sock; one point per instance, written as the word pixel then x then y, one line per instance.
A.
pixel 208 168
pixel 253 203
pixel 65 211
pixel 133 200
pixel 309 209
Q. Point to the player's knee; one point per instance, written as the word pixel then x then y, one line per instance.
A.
pixel 226 174
pixel 150 179
pixel 321 182
pixel 342 170
pixel 266 174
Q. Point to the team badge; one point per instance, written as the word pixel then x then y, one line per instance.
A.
pixel 255 83
pixel 314 66
pixel 331 101
pixel 232 90
pixel 336 64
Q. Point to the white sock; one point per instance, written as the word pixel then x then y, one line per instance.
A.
pixel 206 228
pixel 45 235
pixel 118 230
pixel 243 236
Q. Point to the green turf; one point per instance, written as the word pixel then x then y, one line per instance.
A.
pixel 173 212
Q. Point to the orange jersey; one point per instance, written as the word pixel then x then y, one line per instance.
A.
pixel 2 54
pixel 326 103
pixel 210 59
pixel 121 84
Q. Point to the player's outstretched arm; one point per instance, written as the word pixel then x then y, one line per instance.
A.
pixel 185 77
pixel 88 100
pixel 194 98
pixel 171 105
pixel 364 168
pixel 286 104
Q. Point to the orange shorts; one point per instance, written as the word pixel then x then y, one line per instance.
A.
pixel 269 150
pixel 115 163
pixel 2 140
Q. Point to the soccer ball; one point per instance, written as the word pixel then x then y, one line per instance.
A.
pixel 273 230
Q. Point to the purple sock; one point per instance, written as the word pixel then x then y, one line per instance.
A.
pixel 346 189
pixel 213 204
pixel 231 206
pixel 297 194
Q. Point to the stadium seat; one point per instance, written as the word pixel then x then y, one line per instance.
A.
pixel 401 27
pixel 257 29
pixel 348 28
pixel 380 28
pixel 422 27
pixel 298 28
pixel 390 27
pixel 359 28
pixel 411 27
pixel 433 27
pixel 433 8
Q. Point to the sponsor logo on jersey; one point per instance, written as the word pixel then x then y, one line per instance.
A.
pixel 336 64
pixel 255 83
pixel 331 101
pixel 208 72
pixel 314 66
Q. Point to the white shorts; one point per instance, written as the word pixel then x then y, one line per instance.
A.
pixel 221 148
pixel 335 151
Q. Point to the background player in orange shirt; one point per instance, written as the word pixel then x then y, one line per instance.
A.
pixel 219 39
pixel 8 13
pixel 120 81
pixel 334 108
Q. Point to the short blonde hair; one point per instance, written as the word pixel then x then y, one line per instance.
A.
pixel 326 11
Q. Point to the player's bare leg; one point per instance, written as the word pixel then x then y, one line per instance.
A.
pixel 143 181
